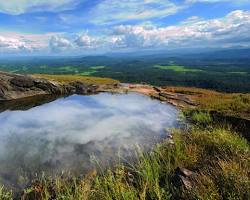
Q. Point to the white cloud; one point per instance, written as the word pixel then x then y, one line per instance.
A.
pixel 16 44
pixel 236 2
pixel 86 41
pixel 231 29
pixel 113 11
pixel 74 43
pixel 23 43
pixel 10 43
pixel 59 43
pixel 16 7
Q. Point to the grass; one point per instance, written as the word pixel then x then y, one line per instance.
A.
pixel 199 117
pixel 231 104
pixel 4 194
pixel 92 70
pixel 72 78
pixel 218 158
pixel 239 73
pixel 177 68
pixel 88 73
pixel 98 67
pixel 68 68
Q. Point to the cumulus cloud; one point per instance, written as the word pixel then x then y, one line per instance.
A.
pixel 230 30
pixel 16 7
pixel 11 42
pixel 198 32
pixel 74 43
pixel 13 45
pixel 59 43
pixel 86 41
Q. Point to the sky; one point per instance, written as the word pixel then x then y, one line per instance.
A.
pixel 79 27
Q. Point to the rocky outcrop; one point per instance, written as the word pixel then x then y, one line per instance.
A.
pixel 14 86
pixel 179 100
pixel 178 97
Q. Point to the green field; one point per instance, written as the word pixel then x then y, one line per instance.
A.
pixel 97 67
pixel 238 73
pixel 177 68
pixel 227 75
pixel 92 70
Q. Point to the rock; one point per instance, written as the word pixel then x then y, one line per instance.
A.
pixel 184 172
pixel 3 88
pixel 182 178
pixel 177 97
pixel 22 81
pixel 15 86
pixel 82 88
pixel 157 89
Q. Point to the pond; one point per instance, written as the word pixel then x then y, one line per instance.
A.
pixel 65 134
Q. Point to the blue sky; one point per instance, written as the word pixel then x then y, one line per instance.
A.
pixel 75 27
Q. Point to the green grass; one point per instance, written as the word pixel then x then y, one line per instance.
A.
pixel 98 67
pixel 177 68
pixel 239 73
pixel 87 73
pixel 4 194
pixel 92 70
pixel 200 117
pixel 43 67
pixel 68 68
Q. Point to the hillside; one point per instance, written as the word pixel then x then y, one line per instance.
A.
pixel 206 160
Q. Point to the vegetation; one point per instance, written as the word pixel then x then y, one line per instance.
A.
pixel 177 68
pixel 230 104
pixel 201 117
pixel 71 78
pixel 92 70
pixel 225 73
pixel 218 158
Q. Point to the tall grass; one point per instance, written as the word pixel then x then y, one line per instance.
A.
pixel 4 194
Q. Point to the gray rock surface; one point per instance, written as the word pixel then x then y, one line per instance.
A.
pixel 15 86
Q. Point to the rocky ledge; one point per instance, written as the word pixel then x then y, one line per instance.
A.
pixel 176 99
pixel 15 86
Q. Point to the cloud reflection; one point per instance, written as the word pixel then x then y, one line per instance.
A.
pixel 62 134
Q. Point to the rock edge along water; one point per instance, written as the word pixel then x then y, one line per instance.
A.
pixel 15 86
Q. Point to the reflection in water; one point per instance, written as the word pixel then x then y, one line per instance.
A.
pixel 62 135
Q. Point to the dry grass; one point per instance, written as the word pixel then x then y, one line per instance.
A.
pixel 72 78
pixel 233 104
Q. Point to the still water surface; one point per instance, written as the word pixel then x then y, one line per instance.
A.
pixel 64 134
